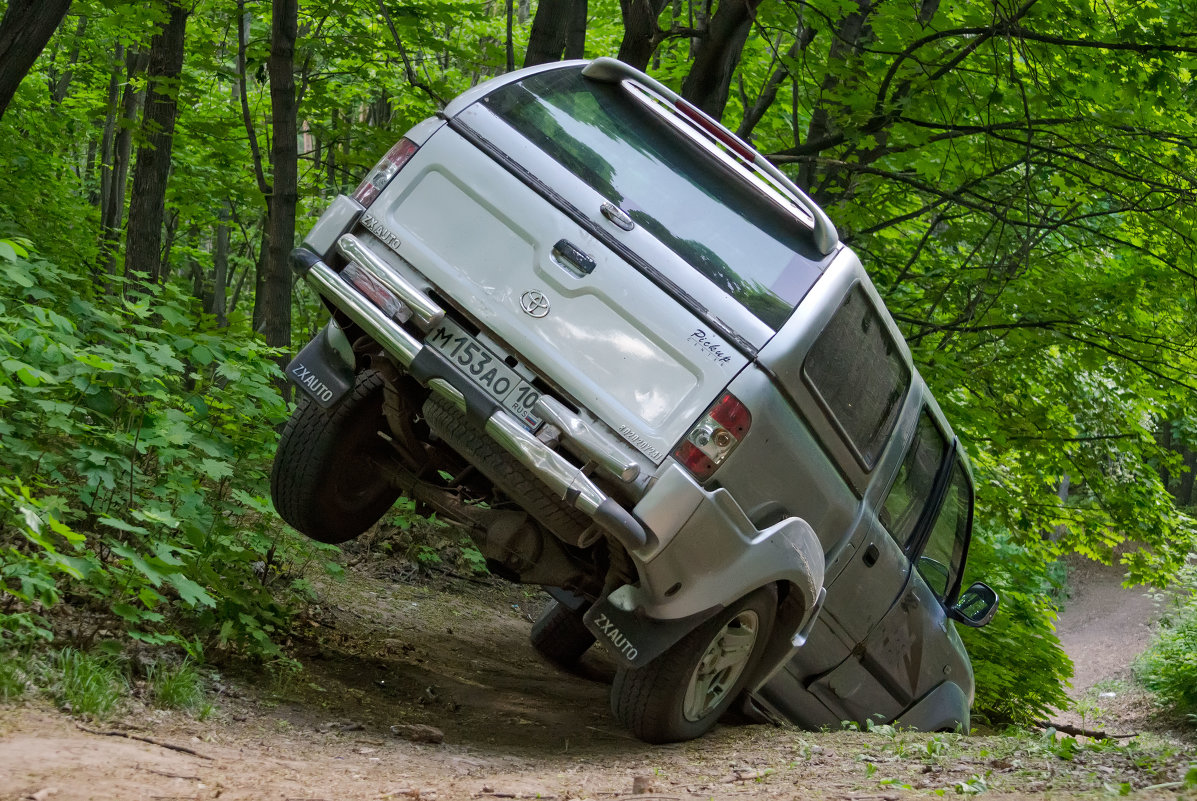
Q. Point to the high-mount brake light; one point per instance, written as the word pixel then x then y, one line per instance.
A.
pixel 725 137
pixel 714 436
pixel 384 172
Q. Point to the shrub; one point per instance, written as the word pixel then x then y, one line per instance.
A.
pixel 1019 664
pixel 1169 666
pixel 137 438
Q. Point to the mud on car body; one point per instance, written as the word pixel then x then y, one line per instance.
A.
pixel 687 409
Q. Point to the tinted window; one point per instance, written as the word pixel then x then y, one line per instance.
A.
pixel 942 559
pixel 857 372
pixel 912 488
pixel 724 229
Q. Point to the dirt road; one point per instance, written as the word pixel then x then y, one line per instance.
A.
pixel 454 655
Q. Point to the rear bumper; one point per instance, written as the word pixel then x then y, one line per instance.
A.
pixel 432 370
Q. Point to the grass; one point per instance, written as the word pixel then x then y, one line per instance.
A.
pixel 90 685
pixel 178 687
pixel 14 677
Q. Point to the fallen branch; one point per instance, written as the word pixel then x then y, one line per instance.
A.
pixel 1064 728
pixel 180 748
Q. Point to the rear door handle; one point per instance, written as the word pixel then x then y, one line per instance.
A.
pixel 572 260
pixel 617 215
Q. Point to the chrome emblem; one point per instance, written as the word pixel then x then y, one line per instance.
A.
pixel 534 303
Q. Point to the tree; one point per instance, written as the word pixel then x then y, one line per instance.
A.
pixel 25 28
pixel 558 29
pixel 148 200
pixel 274 296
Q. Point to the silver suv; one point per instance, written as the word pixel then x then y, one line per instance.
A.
pixel 581 317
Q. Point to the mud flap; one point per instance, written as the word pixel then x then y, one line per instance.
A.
pixel 320 371
pixel 632 638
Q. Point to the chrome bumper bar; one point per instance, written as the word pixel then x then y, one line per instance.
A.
pixel 563 478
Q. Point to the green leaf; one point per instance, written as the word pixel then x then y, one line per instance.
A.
pixel 191 593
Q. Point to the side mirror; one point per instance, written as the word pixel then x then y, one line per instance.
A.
pixel 977 605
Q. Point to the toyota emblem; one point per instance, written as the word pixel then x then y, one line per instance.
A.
pixel 534 303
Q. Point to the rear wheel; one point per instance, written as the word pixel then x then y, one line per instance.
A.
pixel 683 692
pixel 560 636
pixel 326 481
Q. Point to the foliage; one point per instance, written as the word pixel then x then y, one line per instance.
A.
pixel 1019 666
pixel 136 440
pixel 1018 179
pixel 1169 666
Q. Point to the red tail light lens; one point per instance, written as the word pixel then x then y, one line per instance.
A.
pixel 714 436
pixel 384 172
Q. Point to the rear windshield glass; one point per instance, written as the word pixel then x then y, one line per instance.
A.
pixel 856 371
pixel 708 216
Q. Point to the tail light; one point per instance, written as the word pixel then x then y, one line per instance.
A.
pixel 714 436
pixel 384 172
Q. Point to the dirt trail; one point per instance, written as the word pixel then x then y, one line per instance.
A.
pixel 454 655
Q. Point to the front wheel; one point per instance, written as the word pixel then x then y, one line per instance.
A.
pixel 326 481
pixel 683 692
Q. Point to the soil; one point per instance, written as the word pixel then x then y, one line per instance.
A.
pixel 391 658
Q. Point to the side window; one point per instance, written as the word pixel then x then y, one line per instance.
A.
pixel 904 504
pixel 943 558
pixel 856 372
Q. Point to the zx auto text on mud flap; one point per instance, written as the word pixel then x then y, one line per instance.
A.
pixel 618 641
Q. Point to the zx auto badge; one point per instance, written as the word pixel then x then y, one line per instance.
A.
pixel 534 303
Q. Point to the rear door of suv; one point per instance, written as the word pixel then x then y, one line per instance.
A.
pixel 663 273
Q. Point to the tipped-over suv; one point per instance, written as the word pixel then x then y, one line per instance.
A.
pixel 582 318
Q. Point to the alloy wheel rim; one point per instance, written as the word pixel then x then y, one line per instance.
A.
pixel 721 665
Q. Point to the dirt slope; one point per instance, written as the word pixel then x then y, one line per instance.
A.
pixel 454 655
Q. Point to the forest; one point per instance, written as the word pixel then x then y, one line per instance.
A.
pixel 1019 178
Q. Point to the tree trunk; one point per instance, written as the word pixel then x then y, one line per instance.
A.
pixel 220 269
pixel 275 296
pixel 754 113
pixel 60 87
pixel 113 212
pixel 109 136
pixel 509 49
pixel 640 31
pixel 25 28
pixel 550 30
pixel 147 205
pixel 709 81
pixel 846 44
pixel 575 35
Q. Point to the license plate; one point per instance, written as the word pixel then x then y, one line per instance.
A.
pixel 487 371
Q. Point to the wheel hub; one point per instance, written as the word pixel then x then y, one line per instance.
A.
pixel 721 665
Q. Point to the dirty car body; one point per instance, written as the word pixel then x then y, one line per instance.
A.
pixel 574 296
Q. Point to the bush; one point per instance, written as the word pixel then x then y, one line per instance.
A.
pixel 137 438
pixel 1020 667
pixel 1169 666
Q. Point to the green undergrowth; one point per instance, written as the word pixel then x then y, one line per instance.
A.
pixel 135 444
pixel 1018 759
pixel 102 683
pixel 1169 666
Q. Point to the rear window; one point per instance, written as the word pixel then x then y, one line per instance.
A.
pixel 698 208
pixel 857 373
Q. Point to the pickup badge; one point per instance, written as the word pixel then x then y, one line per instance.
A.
pixel 710 347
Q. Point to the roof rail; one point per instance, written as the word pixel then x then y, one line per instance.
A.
pixel 610 70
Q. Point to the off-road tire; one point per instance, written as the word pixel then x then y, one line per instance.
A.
pixel 650 701
pixel 504 470
pixel 326 481
pixel 560 636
